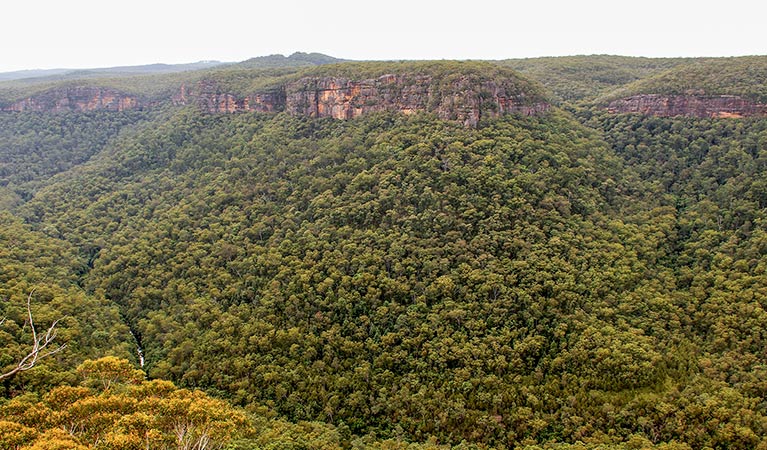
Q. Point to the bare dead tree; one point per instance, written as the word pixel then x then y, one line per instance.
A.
pixel 39 344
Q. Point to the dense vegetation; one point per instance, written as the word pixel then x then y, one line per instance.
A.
pixel 574 78
pixel 63 74
pixel 38 146
pixel 297 59
pixel 744 76
pixel 47 268
pixel 564 281
pixel 159 85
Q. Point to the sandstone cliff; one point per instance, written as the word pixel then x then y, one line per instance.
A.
pixel 210 98
pixel 691 105
pixel 465 98
pixel 77 98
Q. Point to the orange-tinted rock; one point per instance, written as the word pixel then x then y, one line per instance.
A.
pixel 464 99
pixel 273 101
pixel 182 96
pixel 79 98
pixel 724 106
pixel 210 98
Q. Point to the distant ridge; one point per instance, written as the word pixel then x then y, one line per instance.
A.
pixel 146 69
pixel 297 59
pixel 32 73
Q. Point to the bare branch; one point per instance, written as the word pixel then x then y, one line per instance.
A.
pixel 39 344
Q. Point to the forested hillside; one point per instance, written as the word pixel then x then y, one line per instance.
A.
pixel 743 76
pixel 567 277
pixel 575 78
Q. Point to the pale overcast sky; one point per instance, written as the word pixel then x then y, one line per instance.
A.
pixel 102 33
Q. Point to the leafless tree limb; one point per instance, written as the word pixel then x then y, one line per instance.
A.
pixel 39 344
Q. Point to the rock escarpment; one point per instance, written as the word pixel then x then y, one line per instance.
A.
pixel 77 98
pixel 210 98
pixel 465 98
pixel 691 105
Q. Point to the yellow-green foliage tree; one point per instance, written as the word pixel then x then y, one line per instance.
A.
pixel 116 408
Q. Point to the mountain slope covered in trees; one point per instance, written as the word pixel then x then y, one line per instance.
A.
pixel 574 278
pixel 574 78
pixel 742 76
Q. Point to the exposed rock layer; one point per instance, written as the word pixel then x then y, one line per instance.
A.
pixel 210 98
pixel 465 99
pixel 77 98
pixel 688 105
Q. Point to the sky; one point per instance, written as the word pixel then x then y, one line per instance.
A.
pixel 45 34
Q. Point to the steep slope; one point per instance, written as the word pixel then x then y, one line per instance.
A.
pixel 524 280
pixel 36 146
pixel 47 270
pixel 82 95
pixel 467 92
pixel 396 262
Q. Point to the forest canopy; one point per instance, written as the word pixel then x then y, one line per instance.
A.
pixel 570 279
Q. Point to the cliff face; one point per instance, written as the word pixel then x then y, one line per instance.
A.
pixel 209 97
pixel 81 98
pixel 464 99
pixel 688 105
